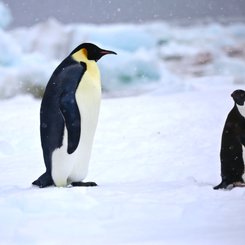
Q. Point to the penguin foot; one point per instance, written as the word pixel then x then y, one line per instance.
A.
pixel 86 184
pixel 44 180
pixel 229 186
pixel 222 185
pixel 239 184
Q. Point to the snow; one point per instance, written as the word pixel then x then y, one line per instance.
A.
pixel 155 158
pixel 156 150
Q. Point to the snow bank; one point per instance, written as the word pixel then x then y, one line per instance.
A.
pixel 148 54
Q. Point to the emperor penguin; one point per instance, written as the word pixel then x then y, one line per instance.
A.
pixel 68 117
pixel 232 145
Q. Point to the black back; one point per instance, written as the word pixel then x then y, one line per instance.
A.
pixel 59 108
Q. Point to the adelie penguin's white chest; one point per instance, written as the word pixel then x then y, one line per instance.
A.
pixel 71 168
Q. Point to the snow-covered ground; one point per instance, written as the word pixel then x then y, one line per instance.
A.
pixel 155 158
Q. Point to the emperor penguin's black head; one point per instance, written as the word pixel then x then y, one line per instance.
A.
pixel 239 97
pixel 93 52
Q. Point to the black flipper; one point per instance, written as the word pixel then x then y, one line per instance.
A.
pixel 68 104
pixel 70 112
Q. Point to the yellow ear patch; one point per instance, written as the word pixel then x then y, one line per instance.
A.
pixel 92 70
pixel 85 52
pixel 81 55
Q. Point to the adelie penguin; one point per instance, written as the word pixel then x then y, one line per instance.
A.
pixel 68 117
pixel 232 144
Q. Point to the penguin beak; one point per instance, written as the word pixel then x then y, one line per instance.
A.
pixel 104 52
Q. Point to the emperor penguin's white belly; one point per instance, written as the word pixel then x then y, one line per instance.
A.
pixel 67 168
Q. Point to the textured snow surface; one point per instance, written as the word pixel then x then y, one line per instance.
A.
pixel 155 159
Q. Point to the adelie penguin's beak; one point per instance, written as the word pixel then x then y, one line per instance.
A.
pixel 104 52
